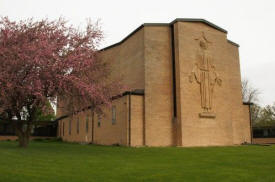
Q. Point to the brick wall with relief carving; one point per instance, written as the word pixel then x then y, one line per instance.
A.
pixel 211 113
pixel 207 80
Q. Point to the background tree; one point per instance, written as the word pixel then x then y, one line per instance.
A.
pixel 46 113
pixel 256 114
pixel 40 60
pixel 267 116
pixel 251 95
pixel 260 116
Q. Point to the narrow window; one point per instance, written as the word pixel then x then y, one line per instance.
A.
pixel 77 125
pixel 87 124
pixel 63 128
pixel 70 126
pixel 113 114
pixel 98 121
pixel 60 129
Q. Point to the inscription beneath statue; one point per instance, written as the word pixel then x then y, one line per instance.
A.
pixel 206 76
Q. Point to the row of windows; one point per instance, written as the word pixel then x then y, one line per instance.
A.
pixel 77 125
pixel 87 123
pixel 113 117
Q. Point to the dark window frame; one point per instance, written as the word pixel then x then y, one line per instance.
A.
pixel 60 129
pixel 70 126
pixel 77 125
pixel 63 123
pixel 87 124
pixel 113 115
pixel 98 121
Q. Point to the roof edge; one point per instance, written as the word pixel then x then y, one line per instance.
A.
pixel 123 40
pixel 248 103
pixel 169 24
pixel 199 20
pixel 139 92
pixel 233 43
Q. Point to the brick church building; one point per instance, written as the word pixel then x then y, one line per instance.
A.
pixel 185 90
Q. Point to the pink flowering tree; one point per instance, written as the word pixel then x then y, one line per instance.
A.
pixel 42 60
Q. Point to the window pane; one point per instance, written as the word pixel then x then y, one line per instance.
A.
pixel 87 124
pixel 113 115
pixel 77 125
pixel 63 128
pixel 70 126
pixel 98 121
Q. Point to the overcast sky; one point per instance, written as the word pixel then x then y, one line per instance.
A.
pixel 250 23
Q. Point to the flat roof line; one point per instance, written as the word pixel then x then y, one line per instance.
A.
pixel 233 43
pixel 169 24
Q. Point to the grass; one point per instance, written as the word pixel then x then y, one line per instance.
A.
pixel 49 161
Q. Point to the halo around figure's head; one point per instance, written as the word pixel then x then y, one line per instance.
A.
pixel 203 42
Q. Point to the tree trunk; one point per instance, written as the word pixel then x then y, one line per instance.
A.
pixel 23 140
pixel 23 133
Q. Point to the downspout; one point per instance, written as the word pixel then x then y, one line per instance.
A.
pixel 174 86
pixel 173 72
pixel 129 121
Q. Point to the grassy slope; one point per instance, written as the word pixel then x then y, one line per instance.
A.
pixel 56 161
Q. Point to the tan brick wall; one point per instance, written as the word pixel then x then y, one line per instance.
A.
pixel 127 65
pixel 263 140
pixel 127 61
pixel 108 133
pixel 230 125
pixel 83 135
pixel 178 73
pixel 137 120
pixel 158 86
pixel 242 130
pixel 118 133
pixel 144 61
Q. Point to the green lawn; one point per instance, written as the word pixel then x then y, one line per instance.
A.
pixel 49 161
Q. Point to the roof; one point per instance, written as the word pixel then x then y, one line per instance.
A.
pixel 132 92
pixel 169 24
pixel 248 103
pixel 199 20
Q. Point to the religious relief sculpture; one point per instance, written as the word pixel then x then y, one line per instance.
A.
pixel 205 75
